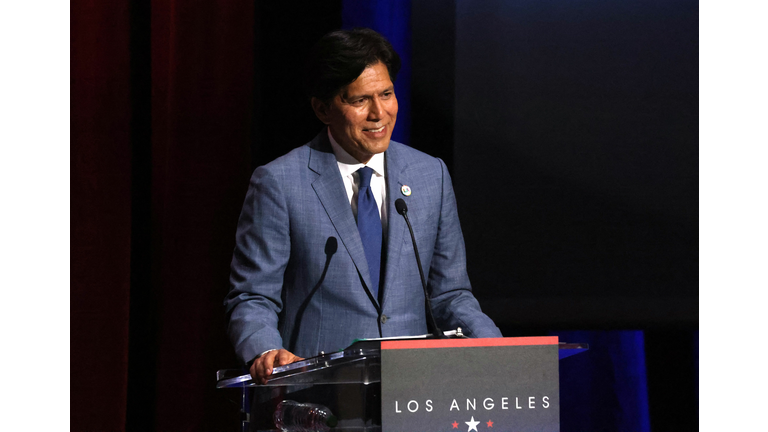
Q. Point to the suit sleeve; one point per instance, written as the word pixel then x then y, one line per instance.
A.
pixel 451 296
pixel 262 251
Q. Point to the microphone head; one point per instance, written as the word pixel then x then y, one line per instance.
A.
pixel 401 207
pixel 331 245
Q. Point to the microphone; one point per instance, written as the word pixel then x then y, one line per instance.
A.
pixel 403 210
pixel 331 246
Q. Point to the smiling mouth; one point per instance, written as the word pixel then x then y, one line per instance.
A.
pixel 375 130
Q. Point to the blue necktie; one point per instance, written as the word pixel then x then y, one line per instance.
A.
pixel 369 225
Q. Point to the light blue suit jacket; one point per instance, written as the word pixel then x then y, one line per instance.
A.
pixel 290 289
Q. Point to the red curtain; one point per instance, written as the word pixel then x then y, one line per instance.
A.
pixel 202 92
pixel 161 113
pixel 100 214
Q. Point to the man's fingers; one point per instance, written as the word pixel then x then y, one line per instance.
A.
pixel 252 369
pixel 257 370
pixel 285 357
pixel 262 367
pixel 268 360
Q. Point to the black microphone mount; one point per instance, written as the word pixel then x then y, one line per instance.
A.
pixel 402 208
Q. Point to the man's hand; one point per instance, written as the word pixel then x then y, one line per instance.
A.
pixel 261 368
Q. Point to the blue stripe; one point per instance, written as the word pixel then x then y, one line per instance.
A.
pixel 605 388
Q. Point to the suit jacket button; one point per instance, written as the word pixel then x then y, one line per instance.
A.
pixel 383 319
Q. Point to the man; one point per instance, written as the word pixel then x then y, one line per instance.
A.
pixel 321 255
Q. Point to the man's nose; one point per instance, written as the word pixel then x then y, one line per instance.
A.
pixel 376 111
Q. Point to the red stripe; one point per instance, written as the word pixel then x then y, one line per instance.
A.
pixel 459 343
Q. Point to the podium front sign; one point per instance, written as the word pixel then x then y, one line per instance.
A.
pixel 470 385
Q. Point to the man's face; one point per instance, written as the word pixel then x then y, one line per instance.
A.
pixel 361 117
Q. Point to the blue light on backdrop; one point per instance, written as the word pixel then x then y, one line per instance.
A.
pixel 605 388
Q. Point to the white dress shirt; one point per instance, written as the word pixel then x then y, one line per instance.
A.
pixel 348 166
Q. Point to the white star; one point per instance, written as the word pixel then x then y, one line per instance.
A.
pixel 472 424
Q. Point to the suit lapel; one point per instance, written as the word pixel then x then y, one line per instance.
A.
pixel 396 229
pixel 330 190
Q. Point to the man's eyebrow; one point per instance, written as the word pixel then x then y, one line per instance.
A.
pixel 356 96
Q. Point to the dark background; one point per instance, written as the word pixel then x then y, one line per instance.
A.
pixel 570 128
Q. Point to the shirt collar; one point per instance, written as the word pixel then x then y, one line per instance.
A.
pixel 348 164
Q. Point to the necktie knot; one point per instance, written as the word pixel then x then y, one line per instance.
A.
pixel 365 174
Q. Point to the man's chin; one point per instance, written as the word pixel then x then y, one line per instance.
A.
pixel 370 150
pixel 379 147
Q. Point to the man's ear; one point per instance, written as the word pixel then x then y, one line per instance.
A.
pixel 322 111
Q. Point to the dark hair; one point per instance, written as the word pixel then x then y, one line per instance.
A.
pixel 339 57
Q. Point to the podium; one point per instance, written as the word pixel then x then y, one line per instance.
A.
pixel 428 384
